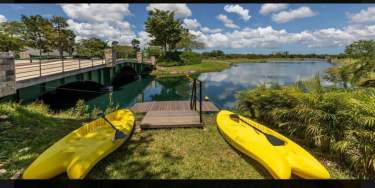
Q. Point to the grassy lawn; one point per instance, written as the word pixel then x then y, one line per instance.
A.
pixel 205 66
pixel 170 153
pixel 262 60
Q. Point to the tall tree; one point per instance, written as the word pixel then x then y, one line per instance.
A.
pixel 135 44
pixel 93 47
pixel 38 32
pixel 189 42
pixel 10 36
pixel 364 53
pixel 60 25
pixel 164 28
pixel 69 42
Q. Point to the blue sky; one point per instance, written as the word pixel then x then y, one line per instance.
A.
pixel 235 28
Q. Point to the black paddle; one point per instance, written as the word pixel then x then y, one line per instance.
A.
pixel 118 134
pixel 272 139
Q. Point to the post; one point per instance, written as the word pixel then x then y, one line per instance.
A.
pixel 79 63
pixel 7 74
pixel 110 57
pixel 92 62
pixel 62 64
pixel 153 60
pixel 200 101
pixel 40 66
pixel 139 57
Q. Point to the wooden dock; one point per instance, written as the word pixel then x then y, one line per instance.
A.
pixel 171 119
pixel 171 114
pixel 145 107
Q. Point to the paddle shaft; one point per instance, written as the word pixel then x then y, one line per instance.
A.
pixel 110 123
pixel 272 139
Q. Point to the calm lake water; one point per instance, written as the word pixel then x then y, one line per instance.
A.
pixel 220 87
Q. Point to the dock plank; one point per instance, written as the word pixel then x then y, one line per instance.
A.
pixel 170 119
pixel 145 107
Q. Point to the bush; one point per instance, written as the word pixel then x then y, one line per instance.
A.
pixel 190 58
pixel 333 120
pixel 169 63
pixel 156 51
pixel 171 56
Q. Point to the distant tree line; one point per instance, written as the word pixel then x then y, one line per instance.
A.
pixel 221 54
pixel 47 35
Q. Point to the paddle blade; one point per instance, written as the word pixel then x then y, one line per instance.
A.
pixel 118 135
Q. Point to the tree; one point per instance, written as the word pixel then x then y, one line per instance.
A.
pixel 124 51
pixel 135 44
pixel 60 25
pixel 154 51
pixel 189 42
pixel 164 29
pixel 10 36
pixel 93 47
pixel 69 42
pixel 364 53
pixel 38 32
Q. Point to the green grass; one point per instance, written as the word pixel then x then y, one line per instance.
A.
pixel 158 154
pixel 205 66
pixel 261 60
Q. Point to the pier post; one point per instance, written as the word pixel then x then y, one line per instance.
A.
pixel 139 57
pixel 7 74
pixel 110 57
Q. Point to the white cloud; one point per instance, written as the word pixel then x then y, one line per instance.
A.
pixel 181 10
pixel 118 31
pixel 268 37
pixel 104 21
pixel 209 30
pixel 227 22
pixel 96 12
pixel 2 18
pixel 363 16
pixel 290 15
pixel 144 38
pixel 244 13
pixel 271 7
pixel 191 23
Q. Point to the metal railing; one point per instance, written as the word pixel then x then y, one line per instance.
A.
pixel 193 98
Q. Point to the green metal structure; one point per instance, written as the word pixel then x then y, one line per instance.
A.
pixel 103 76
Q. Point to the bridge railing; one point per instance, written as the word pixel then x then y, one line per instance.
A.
pixel 26 69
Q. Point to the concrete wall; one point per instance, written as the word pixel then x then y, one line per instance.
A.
pixel 7 74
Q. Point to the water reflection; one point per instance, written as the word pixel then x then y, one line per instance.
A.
pixel 220 87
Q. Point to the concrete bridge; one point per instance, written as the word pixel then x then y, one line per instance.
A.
pixel 26 81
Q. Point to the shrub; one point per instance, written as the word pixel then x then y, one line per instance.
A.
pixel 156 51
pixel 168 63
pixel 190 58
pixel 334 120
pixel 171 56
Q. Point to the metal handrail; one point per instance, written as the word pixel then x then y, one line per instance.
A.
pixel 193 98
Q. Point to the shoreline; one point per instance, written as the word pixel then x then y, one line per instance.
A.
pixel 220 64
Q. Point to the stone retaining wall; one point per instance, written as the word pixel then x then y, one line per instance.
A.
pixel 7 74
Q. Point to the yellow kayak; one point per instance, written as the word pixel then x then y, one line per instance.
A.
pixel 80 150
pixel 279 155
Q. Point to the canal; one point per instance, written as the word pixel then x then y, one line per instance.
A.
pixel 220 87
